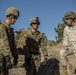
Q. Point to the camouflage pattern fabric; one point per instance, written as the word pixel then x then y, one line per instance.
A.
pixel 12 10
pixel 1 66
pixel 69 39
pixel 34 41
pixel 20 39
pixel 7 44
pixel 70 15
pixel 4 44
pixel 34 20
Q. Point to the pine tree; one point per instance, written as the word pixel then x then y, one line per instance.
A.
pixel 59 30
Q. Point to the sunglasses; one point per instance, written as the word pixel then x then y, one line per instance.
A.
pixel 15 17
pixel 67 18
pixel 34 23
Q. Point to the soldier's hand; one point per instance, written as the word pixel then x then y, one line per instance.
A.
pixel 66 47
pixel 45 61
pixel 15 61
pixel 8 62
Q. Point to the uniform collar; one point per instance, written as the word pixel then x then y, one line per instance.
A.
pixel 35 33
pixel 74 27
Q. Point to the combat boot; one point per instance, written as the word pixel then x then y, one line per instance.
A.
pixel 64 70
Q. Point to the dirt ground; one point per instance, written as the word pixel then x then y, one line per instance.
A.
pixel 53 52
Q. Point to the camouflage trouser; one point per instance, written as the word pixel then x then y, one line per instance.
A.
pixel 1 66
pixel 63 54
pixel 32 68
pixel 3 70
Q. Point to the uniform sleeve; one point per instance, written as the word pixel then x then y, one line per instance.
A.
pixel 4 44
pixel 65 37
pixel 43 46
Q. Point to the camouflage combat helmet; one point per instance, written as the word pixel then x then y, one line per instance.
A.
pixel 34 20
pixel 70 15
pixel 13 11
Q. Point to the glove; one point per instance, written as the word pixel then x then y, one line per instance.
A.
pixel 15 61
pixel 8 62
pixel 45 61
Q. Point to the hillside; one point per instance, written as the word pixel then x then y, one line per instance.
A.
pixel 53 52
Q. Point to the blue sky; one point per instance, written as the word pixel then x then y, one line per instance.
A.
pixel 50 13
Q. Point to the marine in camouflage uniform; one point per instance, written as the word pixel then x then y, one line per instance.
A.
pixel 7 43
pixel 34 40
pixel 69 40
